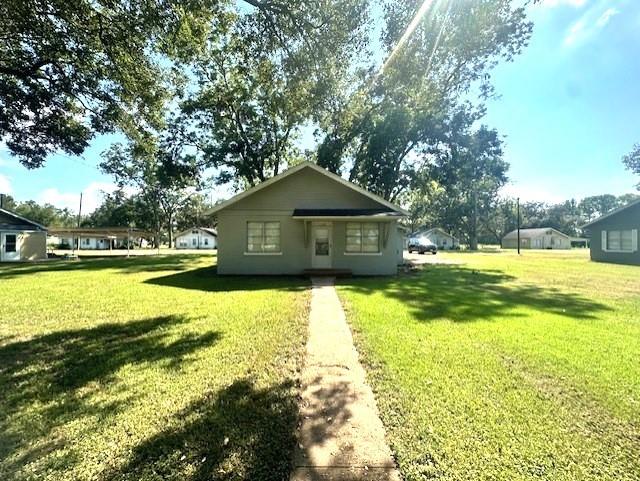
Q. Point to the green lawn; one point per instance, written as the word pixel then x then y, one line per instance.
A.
pixel 505 367
pixel 148 368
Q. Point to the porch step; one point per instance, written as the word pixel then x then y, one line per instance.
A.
pixel 327 272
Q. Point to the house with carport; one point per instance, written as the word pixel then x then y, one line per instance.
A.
pixel 308 220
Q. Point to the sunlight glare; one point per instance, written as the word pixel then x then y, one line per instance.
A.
pixel 424 8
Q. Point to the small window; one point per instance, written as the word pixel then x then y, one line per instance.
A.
pixel 86 241
pixel 613 240
pixel 263 237
pixel 194 241
pixel 10 243
pixel 363 237
pixel 620 240
pixel 206 241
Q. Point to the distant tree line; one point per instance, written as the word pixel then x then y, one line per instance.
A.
pixel 120 210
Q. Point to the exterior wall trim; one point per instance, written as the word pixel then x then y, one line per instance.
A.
pixel 263 253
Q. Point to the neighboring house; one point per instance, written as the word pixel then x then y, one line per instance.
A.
pixel 197 238
pixel 21 239
pixel 98 238
pixel 441 238
pixel 539 238
pixel 614 236
pixel 307 219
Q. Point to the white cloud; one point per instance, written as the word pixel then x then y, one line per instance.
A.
pixel 606 16
pixel 588 25
pixel 575 32
pixel 557 3
pixel 5 185
pixel 92 197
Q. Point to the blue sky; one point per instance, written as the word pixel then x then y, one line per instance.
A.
pixel 569 108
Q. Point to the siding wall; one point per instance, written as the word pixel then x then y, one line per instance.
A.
pixel 34 246
pixel 306 189
pixel 93 243
pixel 627 219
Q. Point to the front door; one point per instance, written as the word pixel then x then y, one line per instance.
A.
pixel 321 246
pixel 9 248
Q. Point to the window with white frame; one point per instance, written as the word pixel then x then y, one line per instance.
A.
pixel 620 240
pixel 363 237
pixel 263 237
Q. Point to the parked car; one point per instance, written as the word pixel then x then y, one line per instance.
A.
pixel 422 245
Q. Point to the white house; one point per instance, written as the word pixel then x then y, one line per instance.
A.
pixel 442 239
pixel 540 238
pixel 197 238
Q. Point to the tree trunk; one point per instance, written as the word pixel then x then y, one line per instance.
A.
pixel 473 231
pixel 473 242
pixel 170 219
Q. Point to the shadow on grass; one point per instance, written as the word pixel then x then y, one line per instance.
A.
pixel 463 294
pixel 48 381
pixel 239 433
pixel 171 262
pixel 207 279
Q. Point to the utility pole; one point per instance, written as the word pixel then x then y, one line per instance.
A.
pixel 80 210
pixel 518 220
pixel 73 238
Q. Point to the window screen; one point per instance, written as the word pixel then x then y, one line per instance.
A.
pixel 263 237
pixel 363 237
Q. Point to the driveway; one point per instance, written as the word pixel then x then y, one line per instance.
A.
pixel 420 259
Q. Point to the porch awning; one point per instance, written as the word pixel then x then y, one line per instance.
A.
pixel 345 214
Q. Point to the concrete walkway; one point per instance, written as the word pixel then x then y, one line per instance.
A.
pixel 341 436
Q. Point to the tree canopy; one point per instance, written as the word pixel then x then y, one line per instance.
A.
pixel 632 160
pixel 69 70
pixel 401 112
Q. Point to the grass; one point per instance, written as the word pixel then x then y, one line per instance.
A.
pixel 147 369
pixel 504 367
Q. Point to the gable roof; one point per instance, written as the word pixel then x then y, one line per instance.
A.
pixel 317 168
pixel 529 233
pixel 613 212
pixel 208 230
pixel 434 229
pixel 25 224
